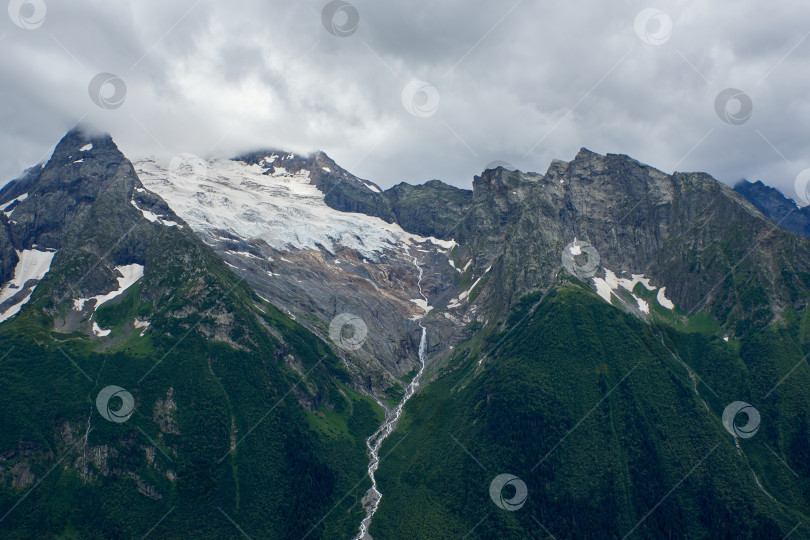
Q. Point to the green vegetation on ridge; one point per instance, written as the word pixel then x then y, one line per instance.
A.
pixel 589 408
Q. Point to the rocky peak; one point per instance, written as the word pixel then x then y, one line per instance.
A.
pixel 776 206
pixel 675 228
pixel 495 180
pixel 87 212
pixel 556 168
pixel 585 154
pixel 342 190
pixel 79 143
pixel 58 198
pixel 430 209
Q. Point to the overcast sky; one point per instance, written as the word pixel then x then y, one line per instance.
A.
pixel 518 81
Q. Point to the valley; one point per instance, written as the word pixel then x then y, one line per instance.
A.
pixel 301 353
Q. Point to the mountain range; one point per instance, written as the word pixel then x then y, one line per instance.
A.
pixel 271 347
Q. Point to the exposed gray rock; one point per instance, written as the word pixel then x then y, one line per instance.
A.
pixel 685 231
pixel 430 209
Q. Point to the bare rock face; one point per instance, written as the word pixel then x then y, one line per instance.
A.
pixel 87 207
pixel 80 200
pixel 164 412
pixel 22 477
pixel 321 243
pixel 83 169
pixel 430 209
pixel 268 215
pixel 304 241
pixel 685 231
pixel 776 207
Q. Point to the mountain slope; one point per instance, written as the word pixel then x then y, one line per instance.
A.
pixel 710 248
pixel 776 207
pixel 587 330
pixel 722 293
pixel 341 189
pixel 431 209
pixel 590 410
pixel 234 403
pixel 269 221
pixel 675 254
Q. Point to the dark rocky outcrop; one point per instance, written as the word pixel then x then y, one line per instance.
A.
pixel 81 204
pixel 430 209
pixel 776 206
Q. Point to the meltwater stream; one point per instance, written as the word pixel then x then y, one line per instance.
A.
pixel 371 500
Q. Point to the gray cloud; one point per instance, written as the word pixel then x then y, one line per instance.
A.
pixel 522 82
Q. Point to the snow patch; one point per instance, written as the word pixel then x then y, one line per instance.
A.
pixel 456 302
pixel 603 288
pixel 643 306
pixel 146 213
pixel 422 303
pixel 606 287
pixel 445 244
pixel 33 264
pixel 630 284
pixel 663 300
pixel 611 279
pixel 19 199
pixel 463 296
pixel 86 148
pixel 284 210
pixel 244 254
pixel 130 274
pixel 152 217
pixel 141 324
pixel 100 332
pixel 13 310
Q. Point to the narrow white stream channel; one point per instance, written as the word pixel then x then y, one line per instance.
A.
pixel 371 500
pixel 694 378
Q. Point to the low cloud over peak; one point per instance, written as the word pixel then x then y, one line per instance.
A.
pixel 418 91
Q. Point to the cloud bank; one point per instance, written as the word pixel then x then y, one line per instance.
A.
pixel 419 90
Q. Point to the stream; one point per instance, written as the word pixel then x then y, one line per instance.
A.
pixel 371 500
